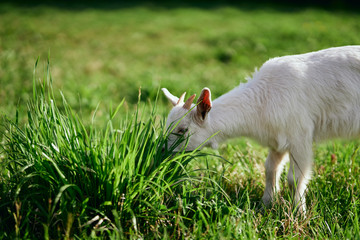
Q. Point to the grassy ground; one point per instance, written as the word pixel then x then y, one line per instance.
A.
pixel 65 175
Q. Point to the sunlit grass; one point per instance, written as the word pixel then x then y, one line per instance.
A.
pixel 62 178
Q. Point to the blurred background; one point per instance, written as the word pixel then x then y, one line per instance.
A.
pixel 103 51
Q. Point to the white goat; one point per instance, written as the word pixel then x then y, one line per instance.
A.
pixel 289 103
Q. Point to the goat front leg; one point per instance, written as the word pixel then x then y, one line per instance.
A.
pixel 274 166
pixel 301 159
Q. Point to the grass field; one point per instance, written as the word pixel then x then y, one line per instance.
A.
pixel 78 161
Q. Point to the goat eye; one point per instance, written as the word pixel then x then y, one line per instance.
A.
pixel 182 130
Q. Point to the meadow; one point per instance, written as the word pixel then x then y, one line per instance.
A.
pixel 82 122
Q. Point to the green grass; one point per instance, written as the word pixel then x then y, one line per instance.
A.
pixel 62 176
pixel 78 162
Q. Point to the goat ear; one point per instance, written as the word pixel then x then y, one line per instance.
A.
pixel 204 103
pixel 174 100
pixel 187 104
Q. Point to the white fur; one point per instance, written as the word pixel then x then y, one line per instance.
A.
pixel 289 103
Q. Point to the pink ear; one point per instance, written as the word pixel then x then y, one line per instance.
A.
pixel 204 103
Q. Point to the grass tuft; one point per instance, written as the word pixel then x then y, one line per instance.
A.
pixel 64 179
